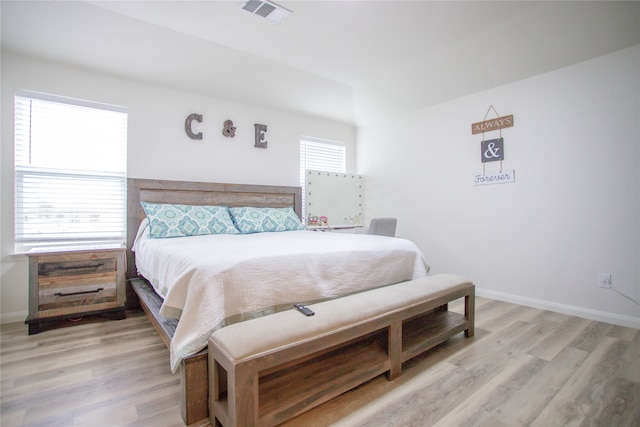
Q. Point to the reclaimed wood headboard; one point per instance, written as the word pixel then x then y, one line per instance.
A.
pixel 201 193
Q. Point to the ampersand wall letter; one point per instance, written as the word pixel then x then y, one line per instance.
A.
pixel 229 129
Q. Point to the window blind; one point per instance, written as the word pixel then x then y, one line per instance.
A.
pixel 319 155
pixel 70 171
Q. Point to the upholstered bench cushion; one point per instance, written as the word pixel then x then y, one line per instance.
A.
pixel 254 337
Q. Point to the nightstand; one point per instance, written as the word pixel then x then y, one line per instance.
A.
pixel 72 283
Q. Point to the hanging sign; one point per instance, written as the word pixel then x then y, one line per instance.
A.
pixel 492 150
pixel 493 124
pixel 488 178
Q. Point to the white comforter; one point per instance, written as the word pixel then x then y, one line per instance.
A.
pixel 211 281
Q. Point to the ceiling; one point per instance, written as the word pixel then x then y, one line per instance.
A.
pixel 351 61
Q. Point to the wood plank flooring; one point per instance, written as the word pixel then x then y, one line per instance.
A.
pixel 524 367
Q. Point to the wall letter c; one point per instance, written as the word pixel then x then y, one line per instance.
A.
pixel 187 126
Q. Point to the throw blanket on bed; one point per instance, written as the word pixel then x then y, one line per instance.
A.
pixel 214 280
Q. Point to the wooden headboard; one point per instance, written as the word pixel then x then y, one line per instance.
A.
pixel 201 193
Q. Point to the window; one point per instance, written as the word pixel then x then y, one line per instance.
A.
pixel 316 154
pixel 70 166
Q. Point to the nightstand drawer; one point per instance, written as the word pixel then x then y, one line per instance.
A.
pixel 74 294
pixel 73 268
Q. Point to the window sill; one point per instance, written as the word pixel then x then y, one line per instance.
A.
pixel 18 256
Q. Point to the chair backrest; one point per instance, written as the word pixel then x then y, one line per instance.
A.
pixel 383 226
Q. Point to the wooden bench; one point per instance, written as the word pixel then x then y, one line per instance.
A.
pixel 265 371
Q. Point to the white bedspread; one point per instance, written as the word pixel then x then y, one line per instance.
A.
pixel 214 280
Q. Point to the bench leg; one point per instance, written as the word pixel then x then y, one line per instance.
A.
pixel 394 351
pixel 243 395
pixel 470 312
pixel 218 414
pixel 233 392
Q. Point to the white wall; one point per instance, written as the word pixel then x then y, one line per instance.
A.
pixel 573 212
pixel 158 147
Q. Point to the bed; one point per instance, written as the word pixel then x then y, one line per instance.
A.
pixel 175 278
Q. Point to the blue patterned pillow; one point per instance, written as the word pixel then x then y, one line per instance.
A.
pixel 258 220
pixel 186 220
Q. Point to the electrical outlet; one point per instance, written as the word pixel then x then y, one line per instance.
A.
pixel 604 280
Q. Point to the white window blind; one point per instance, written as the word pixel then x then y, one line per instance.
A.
pixel 70 171
pixel 320 155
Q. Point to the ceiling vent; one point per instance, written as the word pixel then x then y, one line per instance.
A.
pixel 266 9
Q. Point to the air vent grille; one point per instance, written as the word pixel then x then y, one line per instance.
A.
pixel 266 9
pixel 251 5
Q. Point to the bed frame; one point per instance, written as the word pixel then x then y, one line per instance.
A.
pixel 194 380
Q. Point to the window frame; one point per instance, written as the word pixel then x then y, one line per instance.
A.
pixel 304 166
pixel 40 180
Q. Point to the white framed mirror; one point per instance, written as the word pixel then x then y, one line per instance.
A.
pixel 336 196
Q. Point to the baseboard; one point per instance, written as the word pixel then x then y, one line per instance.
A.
pixel 14 317
pixel 601 316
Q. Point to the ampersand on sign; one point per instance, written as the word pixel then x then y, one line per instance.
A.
pixel 492 150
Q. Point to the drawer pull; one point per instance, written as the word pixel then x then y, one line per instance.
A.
pixel 60 294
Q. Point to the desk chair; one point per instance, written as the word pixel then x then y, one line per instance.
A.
pixel 383 226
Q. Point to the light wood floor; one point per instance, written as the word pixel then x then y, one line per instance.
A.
pixel 524 367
